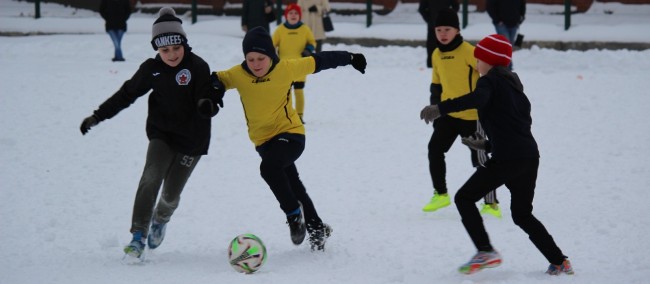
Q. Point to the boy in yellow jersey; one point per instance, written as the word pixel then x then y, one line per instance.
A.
pixel 293 40
pixel 454 75
pixel 264 85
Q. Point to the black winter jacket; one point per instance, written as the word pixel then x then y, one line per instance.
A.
pixel 428 9
pixel 253 14
pixel 510 12
pixel 173 115
pixel 504 113
pixel 115 13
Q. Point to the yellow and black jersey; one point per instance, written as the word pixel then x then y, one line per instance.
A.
pixel 267 100
pixel 290 42
pixel 456 71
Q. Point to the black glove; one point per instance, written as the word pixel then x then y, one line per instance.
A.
pixel 430 113
pixel 88 123
pixel 305 53
pixel 313 9
pixel 219 87
pixel 358 61
pixel 206 108
pixel 476 141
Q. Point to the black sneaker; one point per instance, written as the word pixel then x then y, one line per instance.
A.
pixel 297 228
pixel 318 235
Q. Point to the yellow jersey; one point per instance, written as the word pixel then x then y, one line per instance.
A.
pixel 267 100
pixel 291 42
pixel 456 71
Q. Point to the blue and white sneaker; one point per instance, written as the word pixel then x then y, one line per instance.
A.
pixel 136 247
pixel 156 234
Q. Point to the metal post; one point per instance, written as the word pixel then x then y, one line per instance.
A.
pixel 368 13
pixel 278 12
pixel 567 14
pixel 465 13
pixel 194 12
pixel 37 7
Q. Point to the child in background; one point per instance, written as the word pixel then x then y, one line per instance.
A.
pixel 293 40
pixel 181 106
pixel 264 83
pixel 454 75
pixel 504 111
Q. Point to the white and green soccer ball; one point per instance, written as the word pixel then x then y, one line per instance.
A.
pixel 246 253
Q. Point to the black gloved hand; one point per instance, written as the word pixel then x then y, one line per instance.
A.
pixel 476 141
pixel 430 113
pixel 306 52
pixel 358 61
pixel 87 123
pixel 206 108
pixel 313 9
pixel 219 87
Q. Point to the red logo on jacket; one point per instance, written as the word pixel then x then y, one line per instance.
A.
pixel 183 77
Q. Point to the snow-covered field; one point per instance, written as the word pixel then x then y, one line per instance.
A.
pixel 67 198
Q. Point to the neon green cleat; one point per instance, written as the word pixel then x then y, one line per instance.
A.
pixel 491 209
pixel 437 201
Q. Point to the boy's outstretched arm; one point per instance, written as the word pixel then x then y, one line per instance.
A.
pixel 332 59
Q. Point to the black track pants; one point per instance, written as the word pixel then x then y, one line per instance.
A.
pixel 446 131
pixel 520 177
pixel 280 173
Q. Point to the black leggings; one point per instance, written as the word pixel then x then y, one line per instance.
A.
pixel 520 177
pixel 280 173
pixel 446 131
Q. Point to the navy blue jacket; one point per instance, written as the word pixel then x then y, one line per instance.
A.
pixel 504 113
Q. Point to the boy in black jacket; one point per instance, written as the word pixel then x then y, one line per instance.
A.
pixel 178 126
pixel 504 112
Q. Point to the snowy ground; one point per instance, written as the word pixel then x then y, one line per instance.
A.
pixel 67 198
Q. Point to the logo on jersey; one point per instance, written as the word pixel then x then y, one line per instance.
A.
pixel 183 77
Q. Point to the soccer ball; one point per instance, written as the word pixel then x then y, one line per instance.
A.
pixel 247 253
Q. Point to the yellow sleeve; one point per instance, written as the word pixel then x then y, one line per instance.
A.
pixel 435 61
pixel 226 77
pixel 310 36
pixel 301 67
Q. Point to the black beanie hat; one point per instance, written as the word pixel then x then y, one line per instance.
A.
pixel 259 40
pixel 447 17
pixel 167 29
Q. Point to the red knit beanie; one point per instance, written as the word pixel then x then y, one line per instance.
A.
pixel 293 7
pixel 494 50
